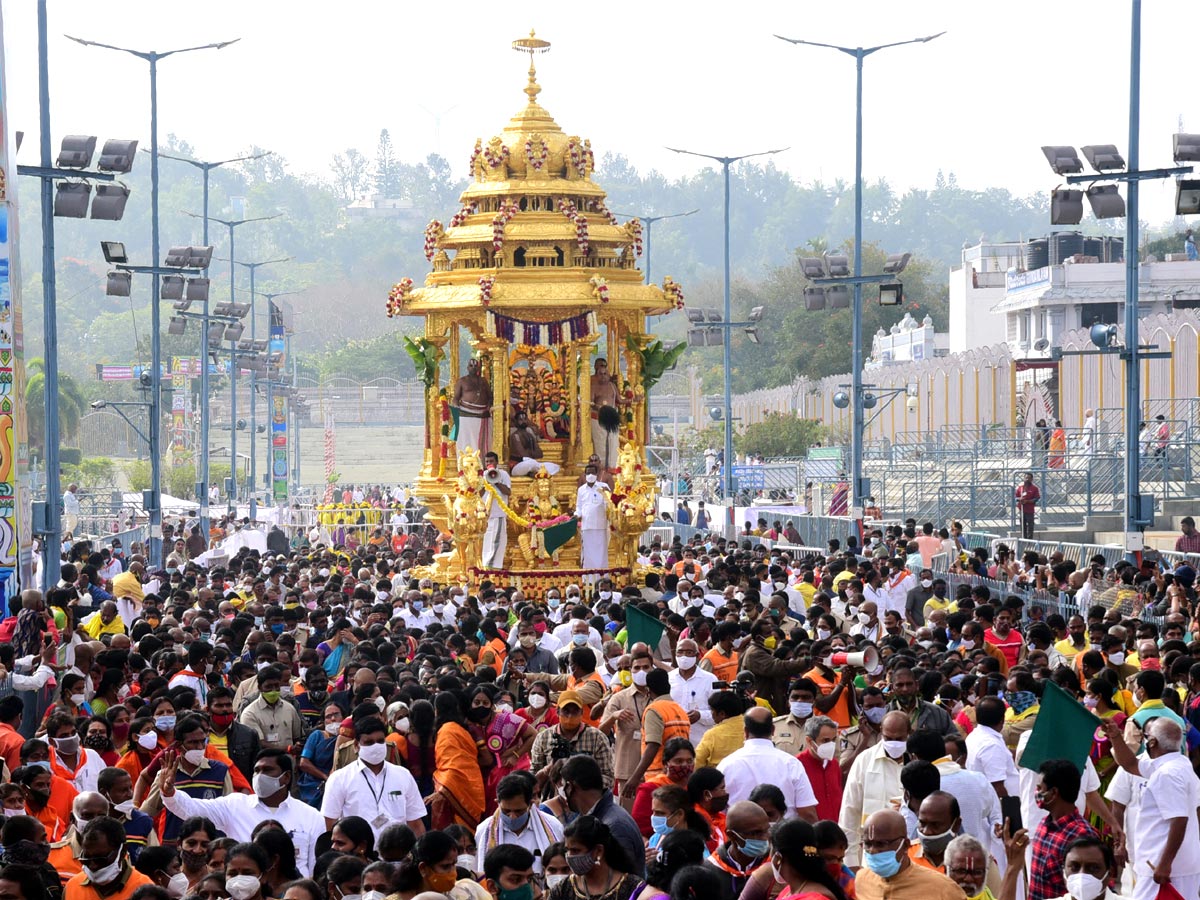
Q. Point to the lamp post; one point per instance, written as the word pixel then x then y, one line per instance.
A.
pixel 857 488
pixel 231 224
pixel 649 221
pixel 202 486
pixel 727 469
pixel 155 514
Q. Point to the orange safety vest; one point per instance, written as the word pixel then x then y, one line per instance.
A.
pixel 724 667
pixel 500 650
pixel 572 684
pixel 675 724
pixel 840 712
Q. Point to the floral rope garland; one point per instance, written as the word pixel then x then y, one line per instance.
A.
pixel 502 218
pixel 397 295
pixel 635 228
pixel 444 416
pixel 536 161
pixel 600 207
pixel 433 231
pixel 486 283
pixel 571 211
pixel 475 154
pixel 517 517
pixel 461 216
pixel 496 160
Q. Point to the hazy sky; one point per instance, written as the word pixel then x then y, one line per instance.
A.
pixel 309 79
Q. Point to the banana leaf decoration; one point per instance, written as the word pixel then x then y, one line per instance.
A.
pixel 425 358
pixel 656 360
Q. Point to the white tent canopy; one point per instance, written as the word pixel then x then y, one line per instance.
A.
pixel 169 504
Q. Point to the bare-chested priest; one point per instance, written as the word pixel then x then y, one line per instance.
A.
pixel 524 449
pixel 606 419
pixel 473 403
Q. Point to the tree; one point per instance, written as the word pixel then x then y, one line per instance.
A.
pixel 388 170
pixel 350 175
pixel 780 435
pixel 72 405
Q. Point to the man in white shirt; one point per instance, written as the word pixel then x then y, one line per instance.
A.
pixel 237 814
pixel 873 782
pixel 591 508
pixel 977 802
pixel 517 820
pixel 1165 832
pixel 986 751
pixel 373 788
pixel 691 687
pixel 71 509
pixel 495 541
pixel 759 761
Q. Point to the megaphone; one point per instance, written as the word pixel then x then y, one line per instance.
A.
pixel 867 659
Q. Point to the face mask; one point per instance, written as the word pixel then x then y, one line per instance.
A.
pixel 380 702
pixel 885 864
pixel 926 582
pixel 465 861
pixel 517 823
pixel 581 863
pixel 529 641
pixel 272 697
pixel 504 707
pixel 177 886
pixel 591 479
pixel 770 642
pixel 242 887
pixel 373 895
pixel 823 634
pixel 579 639
pixel 967 644
pixel 333 728
pixel 524 892
pixel 148 741
pixel 193 757
pixel 67 745
pixel 1091 702
pixel 936 843
pixel 606 595
pixel 939 592
pixel 26 853
pixel 223 720
pixel 659 824
pixel 552 880
pixel 686 662
pixel 697 602
pixel 266 785
pixel 800 709
pixel 1083 886
pixel 864 618
pixel 895 749
pixel 1116 658
pixel 957 679
pixel 373 754
pixel 163 723
pixel 124 808
pixel 756 848
pixel 193 861
pixel 554 604
pixel 827 751
pixel 107 874
pixel 537 701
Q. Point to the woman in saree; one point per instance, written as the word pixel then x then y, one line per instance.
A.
pixel 1058 446
pixel 1101 699
pixel 458 794
pixel 335 650
pixel 506 739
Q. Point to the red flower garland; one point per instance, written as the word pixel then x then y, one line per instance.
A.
pixel 397 295
pixel 502 218
pixel 568 209
pixel 536 162
pixel 494 160
pixel 431 238
pixel 486 283
pixel 461 216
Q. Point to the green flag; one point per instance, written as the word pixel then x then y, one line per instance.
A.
pixel 642 628
pixel 557 535
pixel 1063 730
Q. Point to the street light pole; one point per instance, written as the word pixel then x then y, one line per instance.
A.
pixel 727 469
pixel 155 514
pixel 649 221
pixel 857 488
pixel 1133 401
pixel 203 479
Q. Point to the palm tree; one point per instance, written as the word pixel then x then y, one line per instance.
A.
pixel 72 405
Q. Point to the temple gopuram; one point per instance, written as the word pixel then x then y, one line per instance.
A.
pixel 535 348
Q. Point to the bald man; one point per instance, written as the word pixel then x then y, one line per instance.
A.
pixel 873 782
pixel 889 872
pixel 759 761
pixel 747 843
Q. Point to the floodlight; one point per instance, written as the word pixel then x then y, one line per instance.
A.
pixel 697 337
pixel 114 252
pixel 119 284
pixel 1103 157
pixel 713 315
pixel 76 152
pixel 245 346
pixel 1106 201
pixel 172 287
pixel 177 257
pixel 912 403
pixel 1187 197
pixel 837 264
pixel 841 399
pixel 1187 147
pixel 239 310
pixel 177 325
pixel 891 294
pixel 224 308
pixel 1063 160
pixel 896 263
pixel 197 290
pixel 110 202
pixel 117 156
pixel 1041 344
pixel 182 305
pixel 98 404
pixel 716 337
pixel 216 331
pixel 756 313
pixel 1103 336
pixel 812 267
pixel 199 257
pixel 694 315
pixel 234 331
pixel 241 424
pixel 752 334
pixel 260 345
pixel 1066 206
pixel 715 413
pixel 870 401
pixel 814 299
pixel 837 296
pixel 71 199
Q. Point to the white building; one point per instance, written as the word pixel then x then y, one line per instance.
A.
pixel 907 341
pixel 975 287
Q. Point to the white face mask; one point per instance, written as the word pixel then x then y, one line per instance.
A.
pixel 865 618
pixel 1083 886
pixel 639 677
pixel 537 701
pixel 591 479
pixel 686 662
pixel 895 749
pixel 823 634
pixel 332 728
pixel 926 582
pixel 193 757
pixel 177 886
pixel 148 741
pixel 108 874
pixel 552 880
pixel 124 808
pixel 403 724
pixel 739 596
pixel 264 786
pixel 373 754
pixel 242 887
pixel 827 751
pixel 505 707
pixel 967 644
pixel 606 595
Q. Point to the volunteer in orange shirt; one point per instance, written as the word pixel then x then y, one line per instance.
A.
pixel 837 691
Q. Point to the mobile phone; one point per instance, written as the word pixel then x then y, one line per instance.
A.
pixel 1010 808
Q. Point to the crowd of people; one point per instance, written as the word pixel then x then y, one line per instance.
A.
pixel 323 723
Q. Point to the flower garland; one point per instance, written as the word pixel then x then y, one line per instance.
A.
pixel 635 229
pixel 444 415
pixel 502 218
pixel 433 231
pixel 486 283
pixel 496 160
pixel 673 292
pixel 397 295
pixel 517 517
pixel 461 216
pixel 537 162
pixel 581 157
pixel 599 288
pixel 475 154
pixel 600 207
pixel 568 209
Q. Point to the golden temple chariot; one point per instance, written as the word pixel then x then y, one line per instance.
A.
pixel 536 279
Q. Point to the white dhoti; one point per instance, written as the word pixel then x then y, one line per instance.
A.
pixel 530 466
pixel 472 431
pixel 606 445
pixel 594 548
pixel 495 542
